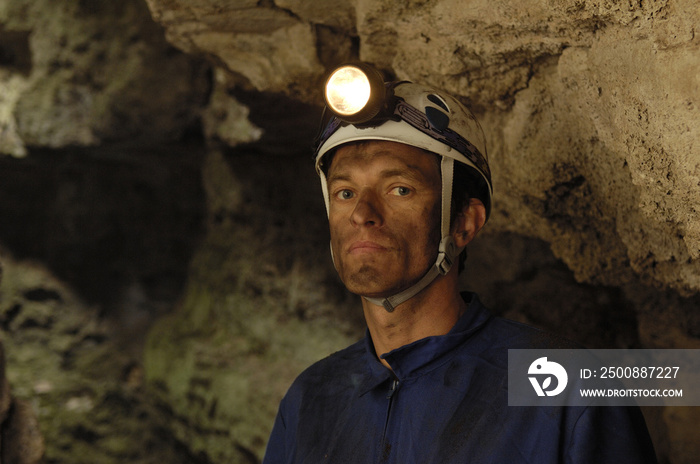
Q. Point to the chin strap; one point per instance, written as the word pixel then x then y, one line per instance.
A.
pixel 447 255
pixel 447 251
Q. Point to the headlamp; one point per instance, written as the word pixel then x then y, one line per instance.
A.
pixel 355 93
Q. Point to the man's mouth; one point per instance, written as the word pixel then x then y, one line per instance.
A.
pixel 365 246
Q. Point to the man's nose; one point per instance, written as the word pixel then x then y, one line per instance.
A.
pixel 367 211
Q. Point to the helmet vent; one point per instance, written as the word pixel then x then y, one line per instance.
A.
pixel 438 101
pixel 437 118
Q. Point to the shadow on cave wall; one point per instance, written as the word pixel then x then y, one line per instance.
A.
pixel 115 222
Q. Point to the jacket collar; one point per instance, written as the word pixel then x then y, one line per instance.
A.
pixel 422 356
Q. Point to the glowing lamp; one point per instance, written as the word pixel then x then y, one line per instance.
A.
pixel 355 93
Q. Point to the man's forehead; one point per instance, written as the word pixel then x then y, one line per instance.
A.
pixel 365 153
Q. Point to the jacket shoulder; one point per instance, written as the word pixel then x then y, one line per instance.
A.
pixel 332 372
pixel 513 334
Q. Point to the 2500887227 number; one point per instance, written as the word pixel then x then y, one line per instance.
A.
pixel 639 372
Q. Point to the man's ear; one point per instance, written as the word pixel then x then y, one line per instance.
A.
pixel 468 222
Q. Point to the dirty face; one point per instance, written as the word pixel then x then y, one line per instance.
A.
pixel 384 215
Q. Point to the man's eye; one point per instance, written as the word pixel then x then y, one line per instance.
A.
pixel 344 195
pixel 401 191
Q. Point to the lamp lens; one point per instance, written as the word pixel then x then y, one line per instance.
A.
pixel 347 91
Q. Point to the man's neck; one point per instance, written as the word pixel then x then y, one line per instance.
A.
pixel 434 311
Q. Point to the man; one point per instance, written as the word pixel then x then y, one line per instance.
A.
pixel 406 190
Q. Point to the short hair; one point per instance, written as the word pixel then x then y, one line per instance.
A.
pixel 467 183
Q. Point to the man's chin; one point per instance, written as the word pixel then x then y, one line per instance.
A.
pixel 367 283
pixel 370 283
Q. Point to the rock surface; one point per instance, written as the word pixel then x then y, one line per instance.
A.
pixel 21 441
pixel 73 74
pixel 78 391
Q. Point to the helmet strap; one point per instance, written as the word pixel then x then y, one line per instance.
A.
pixel 447 168
pixel 446 257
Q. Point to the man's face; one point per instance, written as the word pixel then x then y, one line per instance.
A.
pixel 384 215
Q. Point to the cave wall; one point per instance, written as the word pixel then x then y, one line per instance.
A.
pixel 158 187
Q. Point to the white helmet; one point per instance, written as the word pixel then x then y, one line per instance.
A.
pixel 422 117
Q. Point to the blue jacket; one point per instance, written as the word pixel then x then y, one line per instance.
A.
pixel 446 402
